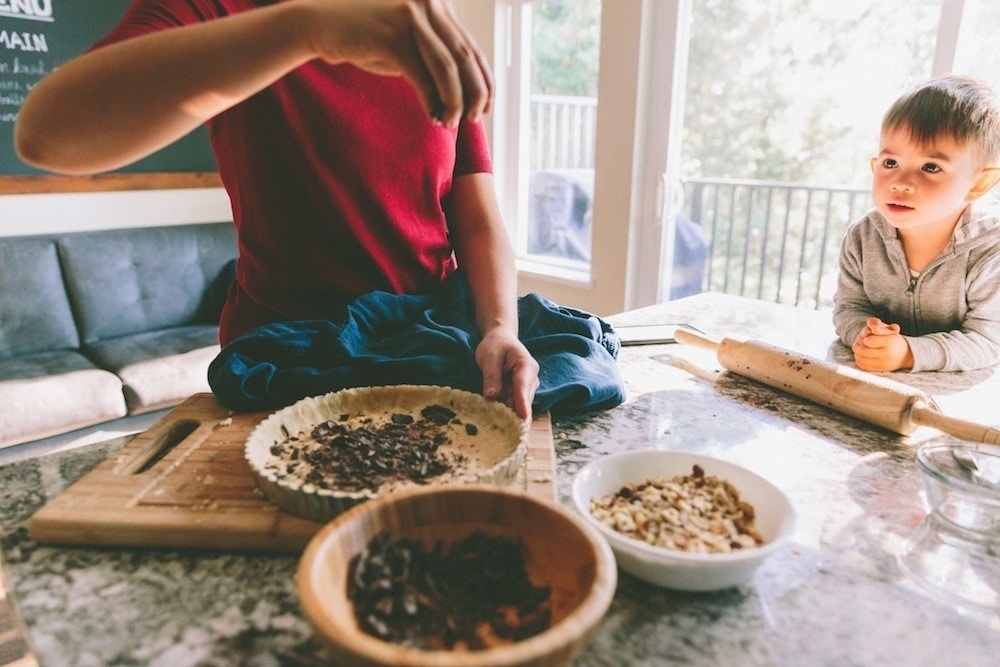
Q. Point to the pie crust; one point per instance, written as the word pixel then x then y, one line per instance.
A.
pixel 281 450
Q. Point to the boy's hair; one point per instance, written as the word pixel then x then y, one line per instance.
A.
pixel 964 108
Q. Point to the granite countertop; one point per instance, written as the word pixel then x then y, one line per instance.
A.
pixel 834 596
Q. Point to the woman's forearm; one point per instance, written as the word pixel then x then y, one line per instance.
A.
pixel 483 251
pixel 510 374
pixel 119 103
pixel 122 102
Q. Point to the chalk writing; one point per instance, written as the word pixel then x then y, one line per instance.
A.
pixel 37 37
pixel 23 41
pixel 23 73
pixel 34 10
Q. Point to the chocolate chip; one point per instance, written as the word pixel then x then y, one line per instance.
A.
pixel 437 414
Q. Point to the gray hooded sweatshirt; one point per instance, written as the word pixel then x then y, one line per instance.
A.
pixel 950 313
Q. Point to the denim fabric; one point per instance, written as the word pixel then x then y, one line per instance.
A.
pixel 384 339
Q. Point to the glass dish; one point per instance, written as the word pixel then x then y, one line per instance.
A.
pixel 958 495
pixel 954 555
pixel 954 566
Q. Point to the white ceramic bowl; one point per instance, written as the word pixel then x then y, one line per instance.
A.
pixel 775 519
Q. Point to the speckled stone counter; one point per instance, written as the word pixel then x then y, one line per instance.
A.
pixel 834 596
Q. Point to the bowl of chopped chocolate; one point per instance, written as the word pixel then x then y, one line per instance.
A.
pixel 681 520
pixel 326 453
pixel 456 575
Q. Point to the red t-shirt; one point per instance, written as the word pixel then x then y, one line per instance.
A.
pixel 337 181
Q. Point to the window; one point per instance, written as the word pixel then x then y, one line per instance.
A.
pixel 783 101
pixel 559 130
pixel 565 107
pixel 553 72
pixel 975 43
pixel 725 146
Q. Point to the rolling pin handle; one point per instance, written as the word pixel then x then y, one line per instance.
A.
pixel 697 340
pixel 959 428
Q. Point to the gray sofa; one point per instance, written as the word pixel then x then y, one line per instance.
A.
pixel 99 325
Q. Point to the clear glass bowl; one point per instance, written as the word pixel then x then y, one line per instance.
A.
pixel 954 555
pixel 942 562
pixel 959 496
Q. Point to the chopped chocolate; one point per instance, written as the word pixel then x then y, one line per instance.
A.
pixel 365 456
pixel 472 595
pixel 437 414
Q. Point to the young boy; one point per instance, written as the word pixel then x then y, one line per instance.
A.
pixel 919 284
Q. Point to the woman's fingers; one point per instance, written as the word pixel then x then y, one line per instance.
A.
pixel 463 83
pixel 473 69
pixel 446 96
pixel 419 39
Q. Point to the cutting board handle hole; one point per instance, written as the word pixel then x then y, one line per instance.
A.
pixel 158 446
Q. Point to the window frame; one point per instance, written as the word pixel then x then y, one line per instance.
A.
pixel 643 62
pixel 602 289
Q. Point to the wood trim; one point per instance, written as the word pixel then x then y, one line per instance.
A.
pixel 20 185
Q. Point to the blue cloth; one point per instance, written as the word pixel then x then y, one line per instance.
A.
pixel 384 339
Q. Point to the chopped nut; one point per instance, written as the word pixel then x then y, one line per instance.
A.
pixel 694 513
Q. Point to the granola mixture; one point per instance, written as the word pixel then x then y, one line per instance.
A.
pixel 693 513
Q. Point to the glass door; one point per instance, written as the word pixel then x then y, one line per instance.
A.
pixel 564 142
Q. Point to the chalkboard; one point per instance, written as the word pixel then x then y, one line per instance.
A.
pixel 37 36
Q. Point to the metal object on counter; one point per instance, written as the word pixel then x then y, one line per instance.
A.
pixel 981 468
pixel 15 649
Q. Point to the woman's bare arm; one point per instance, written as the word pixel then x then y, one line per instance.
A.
pixel 484 252
pixel 117 104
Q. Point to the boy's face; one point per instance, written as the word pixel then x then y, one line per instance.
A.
pixel 923 184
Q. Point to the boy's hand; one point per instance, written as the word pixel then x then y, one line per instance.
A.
pixel 880 347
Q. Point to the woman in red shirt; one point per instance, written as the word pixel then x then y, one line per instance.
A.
pixel 348 135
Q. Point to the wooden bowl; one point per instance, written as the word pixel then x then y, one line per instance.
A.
pixel 562 552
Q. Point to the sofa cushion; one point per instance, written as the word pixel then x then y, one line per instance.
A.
pixel 35 314
pixel 46 393
pixel 123 282
pixel 159 368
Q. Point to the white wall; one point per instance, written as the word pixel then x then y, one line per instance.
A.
pixel 85 211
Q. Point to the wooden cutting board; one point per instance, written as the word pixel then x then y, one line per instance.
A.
pixel 184 483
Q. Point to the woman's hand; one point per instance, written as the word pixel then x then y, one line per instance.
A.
pixel 510 373
pixel 419 39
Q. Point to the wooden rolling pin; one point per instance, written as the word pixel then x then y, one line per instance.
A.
pixel 871 398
